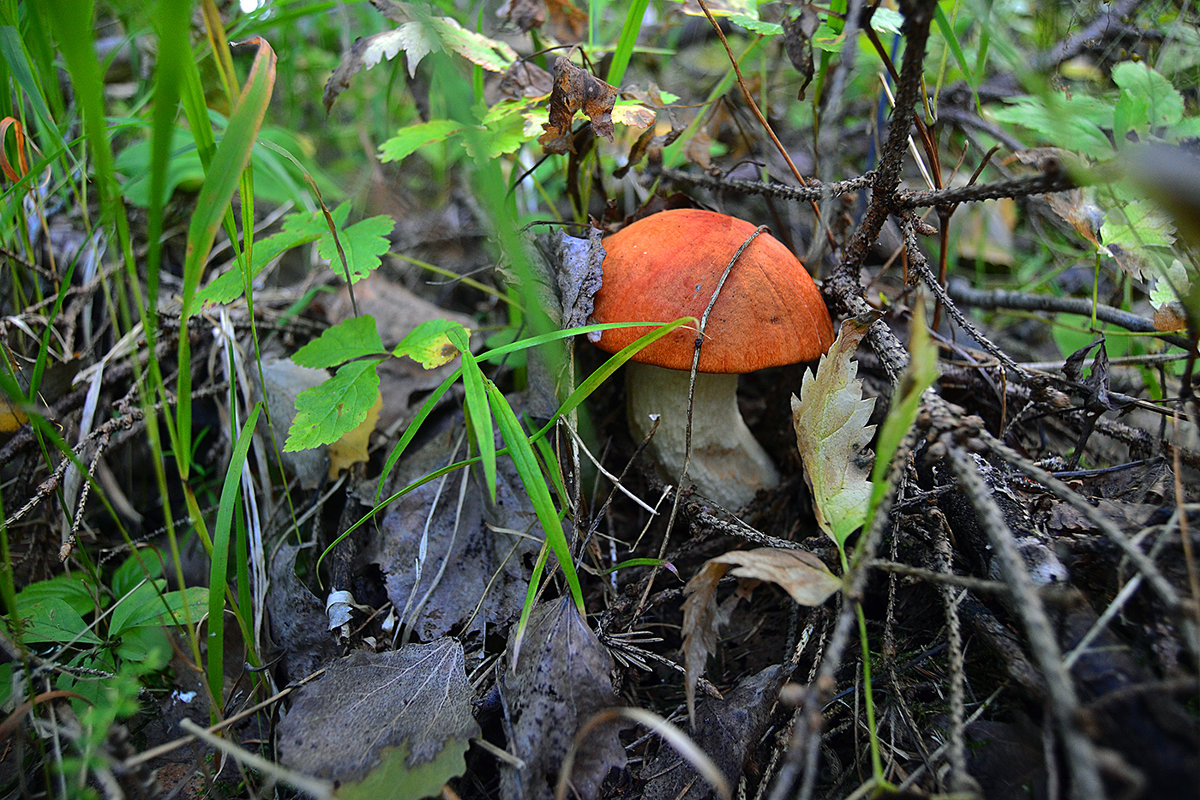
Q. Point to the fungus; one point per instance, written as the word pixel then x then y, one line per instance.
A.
pixel 769 313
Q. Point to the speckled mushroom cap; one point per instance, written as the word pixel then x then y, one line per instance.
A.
pixel 667 265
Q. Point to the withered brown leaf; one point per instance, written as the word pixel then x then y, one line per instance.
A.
pixel 576 89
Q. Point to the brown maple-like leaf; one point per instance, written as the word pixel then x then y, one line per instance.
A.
pixel 576 89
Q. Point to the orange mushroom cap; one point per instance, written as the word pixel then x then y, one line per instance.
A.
pixel 667 265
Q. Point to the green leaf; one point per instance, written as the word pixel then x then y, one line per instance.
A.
pixel 298 228
pixel 350 339
pixel 145 644
pixel 75 590
pixel 412 138
pixel 1144 225
pixel 144 606
pixel 52 619
pixel 145 563
pixel 363 243
pixel 1073 123
pixel 755 25
pixel 476 401
pixel 526 463
pixel 430 344
pixel 1163 103
pixel 396 776
pixel 326 412
pixel 920 374
pixel 491 54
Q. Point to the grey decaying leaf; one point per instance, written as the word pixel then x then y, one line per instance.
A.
pixel 298 622
pixel 442 563
pixel 416 696
pixel 579 276
pixel 560 680
pixel 727 730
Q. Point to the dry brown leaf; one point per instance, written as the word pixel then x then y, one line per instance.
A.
pixel 576 89
pixel 524 14
pixel 801 574
pixel 565 22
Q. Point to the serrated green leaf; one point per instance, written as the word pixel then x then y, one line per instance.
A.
pixel 430 344
pixel 830 418
pixel 1176 283
pixel 326 412
pixel 491 54
pixel 298 228
pixel 412 138
pixel 1143 225
pixel 1163 103
pixel 1073 123
pixel 363 243
pixel 350 339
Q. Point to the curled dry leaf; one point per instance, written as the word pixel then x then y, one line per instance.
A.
pixel 801 574
pixel 830 419
pixel 576 89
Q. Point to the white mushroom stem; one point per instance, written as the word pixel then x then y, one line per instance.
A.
pixel 728 465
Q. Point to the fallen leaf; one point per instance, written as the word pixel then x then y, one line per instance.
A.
pixel 728 729
pixel 400 711
pixel 523 14
pixel 561 679
pixel 801 574
pixel 830 419
pixel 575 89
pixel 297 617
pixel 450 565
pixel 526 79
pixel 565 21
pixel 797 43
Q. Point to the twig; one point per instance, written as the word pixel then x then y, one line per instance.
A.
pixel 1064 705
pixel 968 295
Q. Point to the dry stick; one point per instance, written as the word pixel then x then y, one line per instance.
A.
pixel 814 190
pixel 1064 705
pixel 968 295
pixel 1161 586
pixel 918 264
pixel 960 778
pixel 687 437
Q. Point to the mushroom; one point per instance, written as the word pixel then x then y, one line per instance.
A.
pixel 769 313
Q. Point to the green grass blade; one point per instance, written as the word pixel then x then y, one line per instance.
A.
pixel 521 452
pixel 476 402
pixel 230 159
pixel 218 573
pixel 629 35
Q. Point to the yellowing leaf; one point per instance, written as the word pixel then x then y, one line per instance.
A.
pixel 801 574
pixel 429 343
pixel 830 419
pixel 351 449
